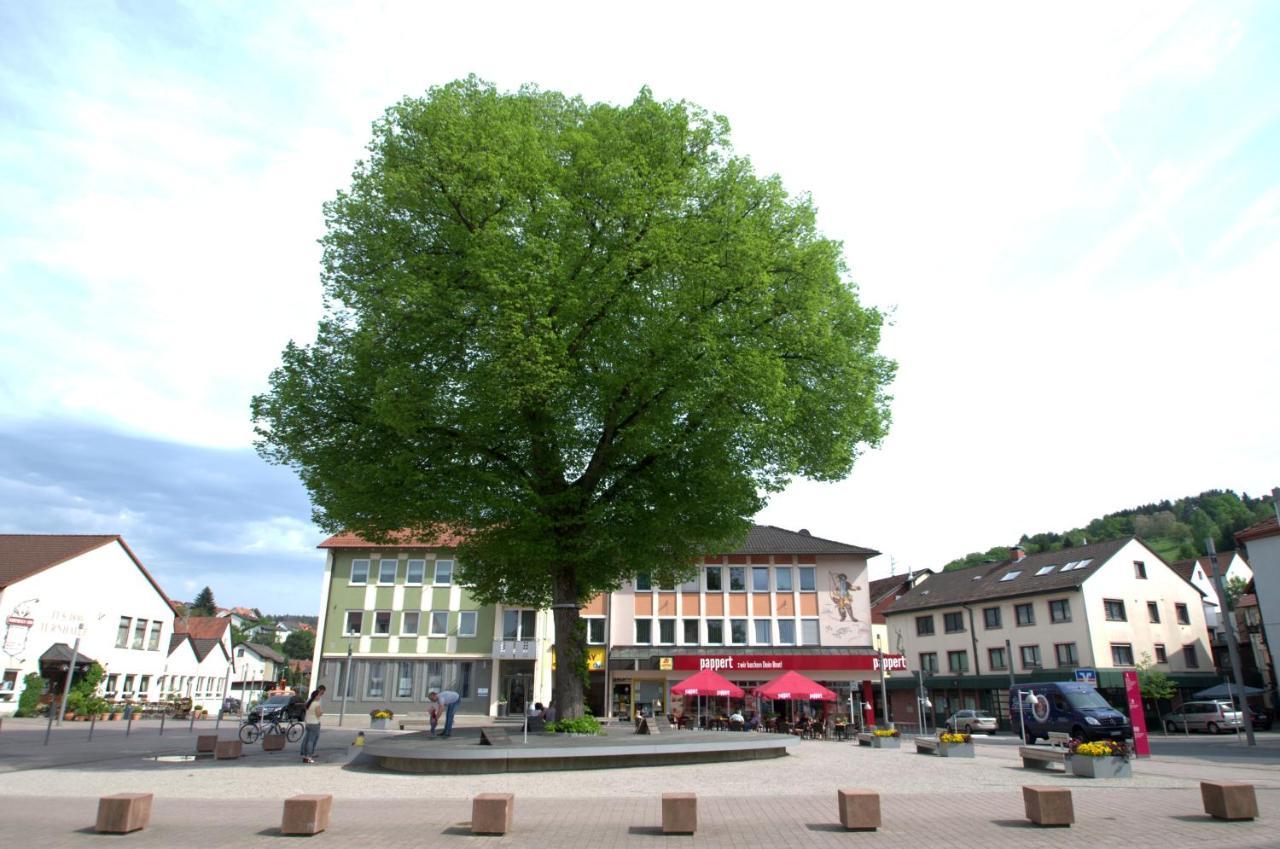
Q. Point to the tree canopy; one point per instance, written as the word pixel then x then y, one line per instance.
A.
pixel 204 605
pixel 587 335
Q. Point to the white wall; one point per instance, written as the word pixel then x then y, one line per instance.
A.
pixel 1264 555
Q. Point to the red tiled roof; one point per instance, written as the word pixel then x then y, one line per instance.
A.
pixel 1268 527
pixel 202 627
pixel 397 539
pixel 23 555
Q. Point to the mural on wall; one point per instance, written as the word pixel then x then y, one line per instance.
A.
pixel 844 610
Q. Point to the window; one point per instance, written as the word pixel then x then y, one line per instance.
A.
pixel 355 621
pixel 144 684
pixel 1066 654
pixel 439 623
pixel 737 579
pixel 464 679
pixel 1060 610
pixel 1153 611
pixel 691 637
pixel 122 636
pixel 376 688
pixel 1115 610
pixel 381 623
pixel 1184 615
pixel 154 643
pixel 991 618
pixel 715 579
pixel 1139 570
pixel 808 579
pixel 958 662
pixel 1024 614
pixel 1009 576
pixel 595 631
pixel 434 678
pixel 139 633
pixel 518 624
pixel 924 626
pixel 760 579
pixel 738 632
pixel 996 659
pixel 386 571
pixel 1162 656
pixel 786 632
pixel 764 632
pixel 782 579
pixel 1030 657
pixel 467 624
pixel 1121 654
pixel 1045 570
pixel 359 571
pixel 409 622
pixel 929 662
pixel 715 632
pixel 644 632
pixel 1190 658
pixel 444 573
pixel 809 632
pixel 666 631
pixel 128 685
pixel 953 623
pixel 415 571
pixel 644 582
pixel 404 680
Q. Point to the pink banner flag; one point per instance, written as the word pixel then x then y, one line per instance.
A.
pixel 1137 716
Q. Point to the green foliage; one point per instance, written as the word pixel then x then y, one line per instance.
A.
pixel 1153 682
pixel 589 334
pixel 1176 530
pixel 238 636
pixel 33 687
pixel 1234 587
pixel 582 725
pixel 204 605
pixel 299 645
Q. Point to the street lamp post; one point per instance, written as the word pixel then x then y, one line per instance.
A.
pixel 71 671
pixel 1233 651
pixel 346 686
pixel 884 690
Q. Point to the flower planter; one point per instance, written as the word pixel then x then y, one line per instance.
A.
pixel 886 742
pixel 955 750
pixel 1090 767
pixel 378 724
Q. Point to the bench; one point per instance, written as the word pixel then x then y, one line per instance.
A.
pixel 679 813
pixel 273 742
pixel 123 813
pixel 1034 758
pixel 491 813
pixel 926 745
pixel 228 750
pixel 495 737
pixel 306 814
pixel 1048 805
pixel 1229 800
pixel 865 739
pixel 859 809
pixel 1059 739
pixel 205 744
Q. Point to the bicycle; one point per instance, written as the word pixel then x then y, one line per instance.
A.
pixel 252 732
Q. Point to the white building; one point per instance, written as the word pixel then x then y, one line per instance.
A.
pixel 200 664
pixel 1262 542
pixel 257 668
pixel 57 588
pixel 1199 571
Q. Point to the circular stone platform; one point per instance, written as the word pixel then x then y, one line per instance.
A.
pixel 619 747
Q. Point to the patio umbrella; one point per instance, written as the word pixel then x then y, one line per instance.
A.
pixel 794 687
pixel 708 683
pixel 1227 691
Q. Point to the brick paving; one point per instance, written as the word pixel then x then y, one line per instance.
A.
pixel 48 797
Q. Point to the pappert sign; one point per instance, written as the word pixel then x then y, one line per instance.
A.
pixel 783 662
pixel 1137 717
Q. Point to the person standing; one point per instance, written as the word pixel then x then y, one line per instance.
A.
pixel 312 712
pixel 449 699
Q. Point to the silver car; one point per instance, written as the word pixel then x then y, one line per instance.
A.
pixel 1207 716
pixel 970 721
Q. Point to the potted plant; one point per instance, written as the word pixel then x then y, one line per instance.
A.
pixel 954 745
pixel 886 738
pixel 1101 759
pixel 378 717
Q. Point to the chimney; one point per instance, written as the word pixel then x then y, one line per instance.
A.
pixel 804 532
pixel 1017 553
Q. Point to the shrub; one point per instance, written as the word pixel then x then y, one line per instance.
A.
pixel 584 725
pixel 32 688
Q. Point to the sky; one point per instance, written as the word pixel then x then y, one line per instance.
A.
pixel 1071 215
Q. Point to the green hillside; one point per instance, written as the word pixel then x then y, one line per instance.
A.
pixel 1175 529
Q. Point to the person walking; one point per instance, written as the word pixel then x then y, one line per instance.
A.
pixel 449 699
pixel 313 711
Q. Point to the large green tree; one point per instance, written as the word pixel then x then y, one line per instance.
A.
pixel 204 605
pixel 588 335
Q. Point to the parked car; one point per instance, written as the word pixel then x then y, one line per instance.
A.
pixel 970 721
pixel 230 705
pixel 1067 707
pixel 1209 716
pixel 288 702
pixel 1261 719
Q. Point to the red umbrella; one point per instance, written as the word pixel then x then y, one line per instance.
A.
pixel 708 683
pixel 792 686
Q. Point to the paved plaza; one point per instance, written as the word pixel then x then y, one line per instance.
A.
pixel 48 796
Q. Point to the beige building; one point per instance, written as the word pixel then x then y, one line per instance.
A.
pixel 1098 609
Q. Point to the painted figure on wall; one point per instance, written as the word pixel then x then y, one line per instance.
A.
pixel 842 595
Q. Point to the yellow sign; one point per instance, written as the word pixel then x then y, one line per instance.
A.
pixel 595 658
pixel 664 663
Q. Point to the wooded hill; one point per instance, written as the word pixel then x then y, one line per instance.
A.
pixel 1176 530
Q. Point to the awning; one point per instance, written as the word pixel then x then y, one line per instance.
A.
pixel 793 686
pixel 708 683
pixel 61 653
pixel 1227 691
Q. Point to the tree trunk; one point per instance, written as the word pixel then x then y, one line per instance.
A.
pixel 570 648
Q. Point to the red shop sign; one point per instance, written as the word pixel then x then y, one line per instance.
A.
pixel 782 662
